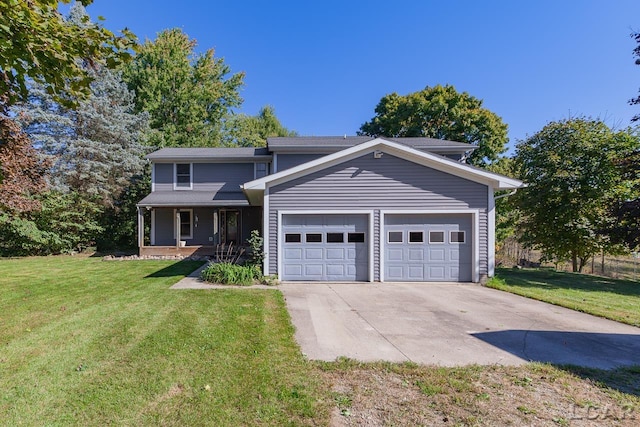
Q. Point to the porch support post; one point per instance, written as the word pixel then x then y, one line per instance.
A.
pixel 140 227
pixel 178 229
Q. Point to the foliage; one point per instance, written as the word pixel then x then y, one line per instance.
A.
pixel 253 131
pixel 120 221
pixel 36 42
pixel 625 227
pixel 570 168
pixel 187 95
pixel 507 213
pixel 443 113
pixel 22 172
pixel 66 222
pixel 256 243
pixel 96 149
pixel 226 273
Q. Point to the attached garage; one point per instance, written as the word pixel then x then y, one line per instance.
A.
pixel 325 247
pixel 428 247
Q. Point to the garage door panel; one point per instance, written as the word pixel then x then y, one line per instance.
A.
pixel 323 250
pixel 416 254
pixel 315 253
pixel 293 254
pixel 437 254
pixel 428 247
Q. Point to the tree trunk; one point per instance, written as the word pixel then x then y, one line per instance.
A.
pixel 574 262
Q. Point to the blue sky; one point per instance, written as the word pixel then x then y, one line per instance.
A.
pixel 324 65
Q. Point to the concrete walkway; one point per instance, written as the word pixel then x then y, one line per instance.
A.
pixel 450 324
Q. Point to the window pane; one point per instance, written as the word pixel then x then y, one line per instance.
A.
pixel 335 238
pixel 355 237
pixel 457 237
pixel 436 237
pixel 395 237
pixel 292 238
pixel 185 223
pixel 313 238
pixel 416 237
pixel 183 169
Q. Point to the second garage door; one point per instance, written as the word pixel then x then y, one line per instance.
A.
pixel 428 247
pixel 331 247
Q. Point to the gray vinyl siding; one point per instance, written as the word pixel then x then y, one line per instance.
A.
pixel 163 227
pixel 223 177
pixel 385 183
pixel 214 177
pixel 163 176
pixel 251 220
pixel 286 161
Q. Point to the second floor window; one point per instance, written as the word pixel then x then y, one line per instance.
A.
pixel 261 170
pixel 183 176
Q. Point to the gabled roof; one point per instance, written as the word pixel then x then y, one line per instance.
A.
pixel 330 144
pixel 255 189
pixel 208 154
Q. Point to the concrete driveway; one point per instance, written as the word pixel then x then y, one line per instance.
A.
pixel 450 324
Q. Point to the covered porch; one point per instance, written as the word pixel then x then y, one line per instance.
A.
pixel 187 223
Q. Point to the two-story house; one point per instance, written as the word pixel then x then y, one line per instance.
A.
pixel 331 208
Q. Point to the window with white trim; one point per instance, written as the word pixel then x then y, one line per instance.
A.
pixel 416 237
pixel 436 237
pixel 394 237
pixel 457 237
pixel 186 224
pixel 183 176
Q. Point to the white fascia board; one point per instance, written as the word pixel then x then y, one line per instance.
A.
pixel 499 182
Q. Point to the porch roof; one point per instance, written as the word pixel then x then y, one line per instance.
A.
pixel 193 198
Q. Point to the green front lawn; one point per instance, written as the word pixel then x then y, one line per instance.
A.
pixel 613 299
pixel 88 342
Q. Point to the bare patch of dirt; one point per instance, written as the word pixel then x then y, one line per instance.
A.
pixel 537 395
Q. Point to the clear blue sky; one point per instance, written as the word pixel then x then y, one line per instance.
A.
pixel 324 65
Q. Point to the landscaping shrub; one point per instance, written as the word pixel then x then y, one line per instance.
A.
pixel 230 274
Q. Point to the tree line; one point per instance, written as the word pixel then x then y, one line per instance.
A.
pixel 80 107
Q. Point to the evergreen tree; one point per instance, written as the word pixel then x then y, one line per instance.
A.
pixel 95 149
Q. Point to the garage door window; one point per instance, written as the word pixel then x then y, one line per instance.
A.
pixel 292 238
pixel 335 238
pixel 395 237
pixel 313 237
pixel 355 237
pixel 416 237
pixel 436 237
pixel 457 237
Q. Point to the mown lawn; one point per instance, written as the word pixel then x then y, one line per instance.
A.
pixel 93 343
pixel 613 299
pixel 88 342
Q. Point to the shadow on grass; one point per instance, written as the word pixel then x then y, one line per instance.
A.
pixel 180 268
pixel 597 356
pixel 551 279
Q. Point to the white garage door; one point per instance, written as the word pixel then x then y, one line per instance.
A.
pixel 428 248
pixel 329 247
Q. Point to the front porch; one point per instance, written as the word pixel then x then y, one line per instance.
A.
pixel 196 230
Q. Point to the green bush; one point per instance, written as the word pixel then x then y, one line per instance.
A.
pixel 231 274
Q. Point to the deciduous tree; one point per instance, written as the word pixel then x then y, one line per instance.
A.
pixel 441 112
pixel 252 131
pixel 187 95
pixel 572 176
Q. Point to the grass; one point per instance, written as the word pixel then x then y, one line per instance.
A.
pixel 613 299
pixel 87 342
